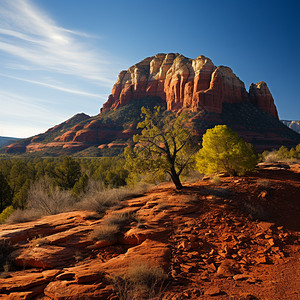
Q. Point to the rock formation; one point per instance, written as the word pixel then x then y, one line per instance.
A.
pixel 186 83
pixel 294 125
pixel 179 83
pixel 208 240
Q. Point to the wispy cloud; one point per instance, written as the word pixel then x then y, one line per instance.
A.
pixel 56 87
pixel 31 36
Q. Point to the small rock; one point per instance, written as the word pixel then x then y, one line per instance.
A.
pixel 261 260
pixel 244 261
pixel 192 254
pixel 275 249
pixel 267 236
pixel 259 235
pixel 66 275
pixel 185 245
pixel 263 194
pixel 212 291
pixel 265 225
pixel 247 296
pixel 271 242
pixel 240 277
pixel 186 268
pixel 227 268
pixel 251 280
pixel 211 268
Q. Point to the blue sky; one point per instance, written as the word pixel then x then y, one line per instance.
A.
pixel 61 57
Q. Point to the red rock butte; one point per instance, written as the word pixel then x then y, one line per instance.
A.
pixel 186 83
pixel 215 95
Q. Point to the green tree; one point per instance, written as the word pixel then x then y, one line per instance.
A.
pixel 164 145
pixel 67 173
pixel 5 193
pixel 80 186
pixel 223 150
pixel 20 197
pixel 283 152
pixel 111 171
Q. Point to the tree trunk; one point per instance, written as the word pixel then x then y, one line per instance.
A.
pixel 175 178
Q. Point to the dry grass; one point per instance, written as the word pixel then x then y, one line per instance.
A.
pixel 272 157
pixel 141 281
pixel 120 218
pixel 48 200
pixel 216 180
pixel 21 216
pixel 105 233
pixel 193 176
pixel 43 200
pixel 99 199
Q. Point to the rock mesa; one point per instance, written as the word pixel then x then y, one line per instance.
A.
pixel 186 83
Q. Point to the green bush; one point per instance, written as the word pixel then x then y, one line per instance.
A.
pixel 224 151
pixel 6 213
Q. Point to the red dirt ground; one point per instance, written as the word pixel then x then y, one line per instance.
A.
pixel 238 239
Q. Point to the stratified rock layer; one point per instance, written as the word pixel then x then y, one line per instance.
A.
pixel 186 83
pixel 214 95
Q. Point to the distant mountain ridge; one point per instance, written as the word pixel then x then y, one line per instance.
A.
pixel 213 95
pixel 4 140
pixel 294 125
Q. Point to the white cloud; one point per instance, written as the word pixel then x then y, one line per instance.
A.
pixel 56 87
pixel 28 34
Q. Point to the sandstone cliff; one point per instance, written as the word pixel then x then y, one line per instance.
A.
pixel 215 95
pixel 186 83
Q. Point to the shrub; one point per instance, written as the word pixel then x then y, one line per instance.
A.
pixel 6 213
pixel 21 216
pixel 283 154
pixel 49 200
pixel 216 180
pixel 223 150
pixel 120 218
pixel 105 233
pixel 99 199
pixel 141 281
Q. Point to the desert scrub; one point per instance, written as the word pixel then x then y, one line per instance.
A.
pixel 49 200
pixel 141 281
pixel 21 216
pixel 112 225
pixel 121 218
pixel 105 232
pixel 99 199
pixel 216 180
